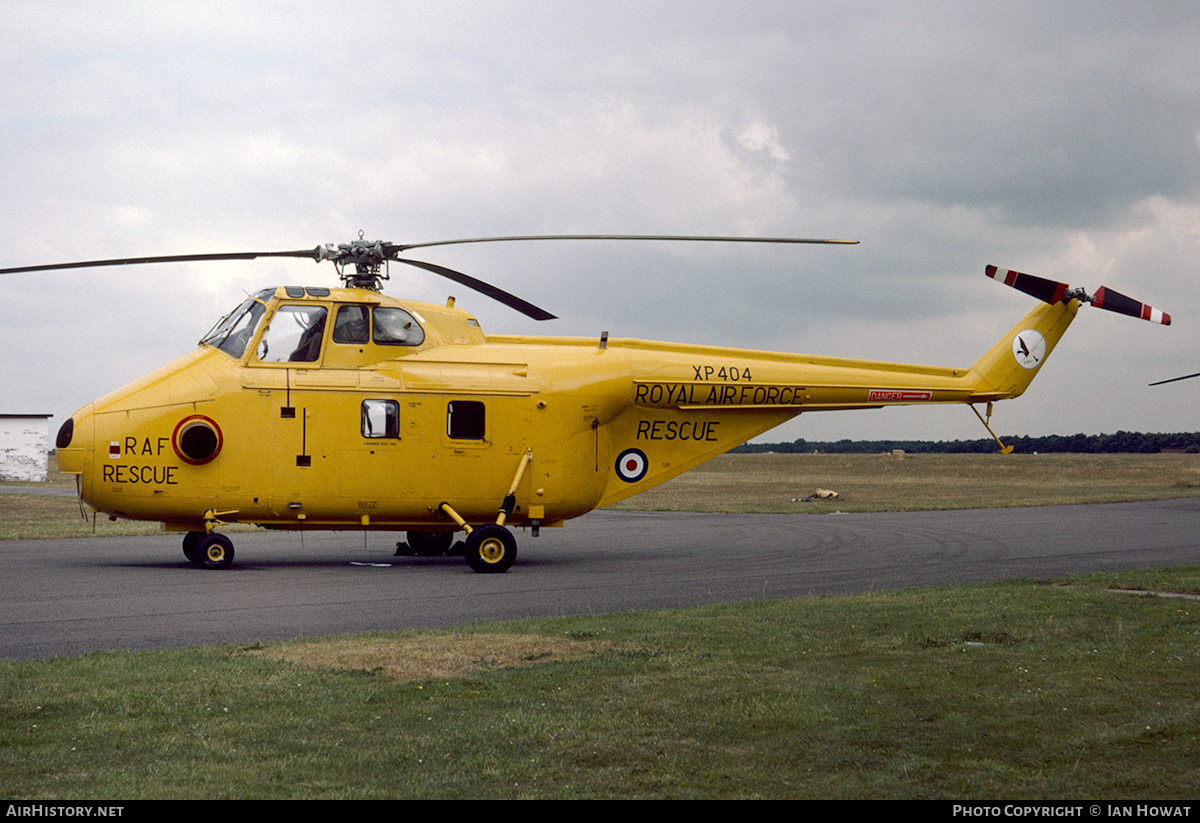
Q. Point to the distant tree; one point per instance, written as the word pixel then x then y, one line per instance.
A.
pixel 1120 442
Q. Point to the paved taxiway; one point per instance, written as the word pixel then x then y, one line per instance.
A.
pixel 64 597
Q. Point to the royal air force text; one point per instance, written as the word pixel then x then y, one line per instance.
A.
pixel 716 394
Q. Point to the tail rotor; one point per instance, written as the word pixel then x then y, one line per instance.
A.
pixel 1049 291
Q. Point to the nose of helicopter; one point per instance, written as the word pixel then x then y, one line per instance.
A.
pixel 75 445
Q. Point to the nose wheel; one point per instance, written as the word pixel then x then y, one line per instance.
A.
pixel 212 551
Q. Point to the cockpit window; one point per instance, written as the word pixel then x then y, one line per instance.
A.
pixel 396 327
pixel 294 335
pixel 233 333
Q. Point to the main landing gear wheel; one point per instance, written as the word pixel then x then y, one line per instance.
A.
pixel 491 549
pixel 430 544
pixel 215 551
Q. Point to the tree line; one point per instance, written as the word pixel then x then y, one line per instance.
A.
pixel 1120 442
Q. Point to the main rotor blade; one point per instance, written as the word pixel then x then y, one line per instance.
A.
pixel 313 254
pixel 372 254
pixel 689 238
pixel 1173 379
pixel 510 300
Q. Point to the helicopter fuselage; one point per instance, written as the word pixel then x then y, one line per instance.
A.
pixel 316 408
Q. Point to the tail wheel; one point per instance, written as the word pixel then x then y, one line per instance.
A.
pixel 215 551
pixel 491 549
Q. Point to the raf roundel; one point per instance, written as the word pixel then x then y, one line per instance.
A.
pixel 632 465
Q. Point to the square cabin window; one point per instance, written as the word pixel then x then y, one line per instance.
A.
pixel 464 420
pixel 380 418
pixel 352 325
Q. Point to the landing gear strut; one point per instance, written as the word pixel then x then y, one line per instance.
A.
pixel 491 548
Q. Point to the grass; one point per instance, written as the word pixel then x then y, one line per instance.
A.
pixel 760 483
pixel 1023 690
pixel 32 516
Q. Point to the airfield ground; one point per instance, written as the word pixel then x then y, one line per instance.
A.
pixel 781 483
pixel 1056 688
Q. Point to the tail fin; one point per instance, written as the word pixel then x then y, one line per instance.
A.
pixel 1010 366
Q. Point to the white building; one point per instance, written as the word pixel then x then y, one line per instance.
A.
pixel 23 446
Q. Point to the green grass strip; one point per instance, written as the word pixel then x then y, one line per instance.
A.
pixel 1085 688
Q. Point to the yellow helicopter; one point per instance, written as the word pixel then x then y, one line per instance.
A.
pixel 342 408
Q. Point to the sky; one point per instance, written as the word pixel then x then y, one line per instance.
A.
pixel 1059 139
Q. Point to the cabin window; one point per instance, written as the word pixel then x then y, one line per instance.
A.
pixel 396 327
pixel 464 420
pixel 294 335
pixel 352 325
pixel 380 418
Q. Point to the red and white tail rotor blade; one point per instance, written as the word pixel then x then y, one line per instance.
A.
pixel 1105 298
pixel 1048 291
pixel 1051 292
